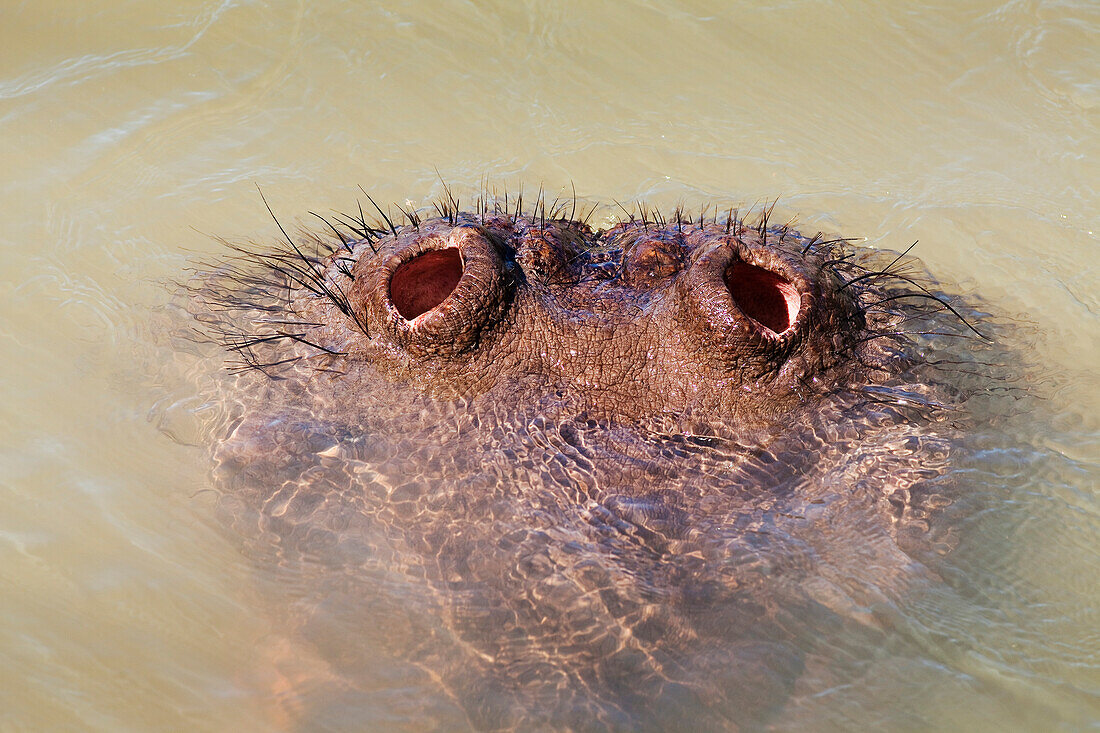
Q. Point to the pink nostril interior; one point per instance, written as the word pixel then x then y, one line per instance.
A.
pixel 763 296
pixel 425 281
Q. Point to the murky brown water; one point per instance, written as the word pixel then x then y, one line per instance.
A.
pixel 130 132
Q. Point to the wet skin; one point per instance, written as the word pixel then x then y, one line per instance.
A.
pixel 585 479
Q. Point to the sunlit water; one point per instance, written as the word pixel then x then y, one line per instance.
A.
pixel 131 132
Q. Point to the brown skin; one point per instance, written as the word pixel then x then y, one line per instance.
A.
pixel 615 479
pixel 650 321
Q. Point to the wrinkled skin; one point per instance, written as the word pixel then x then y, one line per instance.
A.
pixel 572 479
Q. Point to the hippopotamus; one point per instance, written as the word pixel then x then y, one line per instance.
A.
pixel 557 476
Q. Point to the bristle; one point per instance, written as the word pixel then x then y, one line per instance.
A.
pixel 882 273
pixel 343 241
pixel 889 268
pixel 380 212
pixel 629 215
pixel 451 206
pixel 585 219
pixel 411 216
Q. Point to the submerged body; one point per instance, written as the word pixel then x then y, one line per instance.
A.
pixel 587 479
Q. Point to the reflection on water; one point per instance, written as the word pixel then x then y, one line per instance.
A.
pixel 127 129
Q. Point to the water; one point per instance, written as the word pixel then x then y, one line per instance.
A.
pixel 131 132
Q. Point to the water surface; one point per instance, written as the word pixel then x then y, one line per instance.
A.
pixel 131 132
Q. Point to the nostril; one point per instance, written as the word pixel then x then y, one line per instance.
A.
pixel 425 281
pixel 763 296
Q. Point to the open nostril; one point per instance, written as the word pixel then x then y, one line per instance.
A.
pixel 763 296
pixel 425 281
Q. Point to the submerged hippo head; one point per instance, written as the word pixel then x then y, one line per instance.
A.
pixel 584 478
